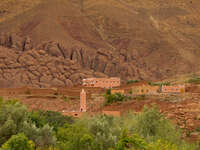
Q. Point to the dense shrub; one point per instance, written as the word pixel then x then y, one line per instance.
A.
pixel 117 97
pixel 131 142
pixel 105 131
pixel 74 137
pixel 54 119
pixel 151 124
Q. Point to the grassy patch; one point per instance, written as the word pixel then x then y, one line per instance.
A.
pixel 158 84
pixel 194 80
pixel 28 92
pixel 198 129
pixel 140 97
pixel 132 81
pixel 65 98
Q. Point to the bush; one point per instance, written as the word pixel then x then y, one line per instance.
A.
pixel 54 119
pixel 28 92
pixel 74 137
pixel 198 129
pixel 18 142
pixel 132 142
pixel 132 81
pixel 117 97
pixel 65 98
pixel 105 130
pixel 194 80
pixel 151 124
pixel 12 117
pixel 130 92
pixel 140 97
pixel 108 92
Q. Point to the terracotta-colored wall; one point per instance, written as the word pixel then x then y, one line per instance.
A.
pixel 192 88
pixel 68 92
pixel 113 91
pixel 173 89
pixel 102 82
pixel 145 89
pixel 23 91
pixel 42 91
pixel 112 113
pixel 12 91
pixel 73 114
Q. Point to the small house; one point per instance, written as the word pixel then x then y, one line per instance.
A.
pixel 145 90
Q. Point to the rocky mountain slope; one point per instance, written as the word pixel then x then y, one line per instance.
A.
pixel 59 42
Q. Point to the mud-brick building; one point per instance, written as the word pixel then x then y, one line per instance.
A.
pixel 121 91
pixel 173 89
pixel 101 82
pixel 145 89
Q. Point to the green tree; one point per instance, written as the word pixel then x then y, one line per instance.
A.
pixel 12 117
pixel 131 142
pixel 18 142
pixel 42 137
pixel 105 130
pixel 152 125
pixel 74 137
pixel 54 119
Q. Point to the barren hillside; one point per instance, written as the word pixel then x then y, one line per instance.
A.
pixel 133 39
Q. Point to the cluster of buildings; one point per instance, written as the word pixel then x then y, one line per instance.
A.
pixel 146 89
pixel 113 83
pixel 137 89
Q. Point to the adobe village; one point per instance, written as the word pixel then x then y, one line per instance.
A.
pixel 178 102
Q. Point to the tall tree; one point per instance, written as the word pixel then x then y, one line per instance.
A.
pixel 18 142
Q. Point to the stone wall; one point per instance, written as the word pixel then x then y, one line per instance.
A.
pixel 26 91
pixel 42 91
pixel 112 113
pixel 12 91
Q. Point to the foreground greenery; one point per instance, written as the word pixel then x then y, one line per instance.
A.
pixel 39 130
